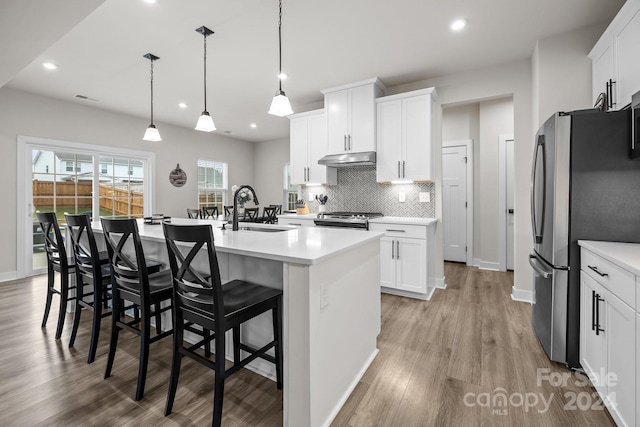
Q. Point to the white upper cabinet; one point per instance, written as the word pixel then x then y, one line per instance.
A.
pixel 406 134
pixel 308 143
pixel 615 59
pixel 351 117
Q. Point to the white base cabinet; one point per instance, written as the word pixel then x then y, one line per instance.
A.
pixel 297 222
pixel 406 252
pixel 608 323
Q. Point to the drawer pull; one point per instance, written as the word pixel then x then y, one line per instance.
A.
pixel 598 271
pixel 396 231
pixel 295 223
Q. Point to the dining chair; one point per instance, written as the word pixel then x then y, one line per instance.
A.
pixel 194 213
pixel 132 281
pixel 251 214
pixel 269 215
pixel 57 260
pixel 210 212
pixel 216 307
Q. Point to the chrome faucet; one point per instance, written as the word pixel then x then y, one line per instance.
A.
pixel 235 204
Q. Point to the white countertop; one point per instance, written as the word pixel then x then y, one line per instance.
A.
pixel 404 220
pixel 296 216
pixel 305 245
pixel 625 255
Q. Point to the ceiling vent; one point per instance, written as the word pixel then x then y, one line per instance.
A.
pixel 86 98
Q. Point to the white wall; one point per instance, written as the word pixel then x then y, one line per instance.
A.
pixel 270 158
pixel 562 73
pixel 507 80
pixel 26 114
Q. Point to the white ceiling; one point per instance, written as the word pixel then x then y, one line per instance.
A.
pixel 325 43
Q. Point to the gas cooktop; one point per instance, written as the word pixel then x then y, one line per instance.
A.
pixel 345 219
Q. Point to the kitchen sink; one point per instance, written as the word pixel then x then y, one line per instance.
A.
pixel 265 229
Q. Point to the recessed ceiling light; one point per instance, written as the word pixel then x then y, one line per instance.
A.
pixel 282 76
pixel 253 125
pixel 49 65
pixel 150 1
pixel 458 24
pixel 182 105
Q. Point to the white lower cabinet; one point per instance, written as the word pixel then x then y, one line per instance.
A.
pixel 405 266
pixel 297 222
pixel 608 347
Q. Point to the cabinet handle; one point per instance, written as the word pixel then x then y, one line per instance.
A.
pixel 295 223
pixel 308 170
pixel 349 142
pixel 593 310
pixel 345 143
pixel 393 249
pixel 403 164
pixel 598 328
pixel 611 103
pixel 396 231
pixel 397 249
pixel 398 168
pixel 597 271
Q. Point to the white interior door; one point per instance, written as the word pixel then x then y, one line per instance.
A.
pixel 454 202
pixel 510 180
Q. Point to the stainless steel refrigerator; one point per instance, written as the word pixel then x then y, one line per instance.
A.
pixel 584 187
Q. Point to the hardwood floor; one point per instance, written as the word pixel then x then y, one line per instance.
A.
pixel 444 362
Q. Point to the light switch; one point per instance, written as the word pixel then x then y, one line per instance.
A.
pixel 425 197
pixel 312 197
pixel 401 197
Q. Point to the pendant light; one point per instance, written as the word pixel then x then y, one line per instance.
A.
pixel 205 122
pixel 151 134
pixel 280 105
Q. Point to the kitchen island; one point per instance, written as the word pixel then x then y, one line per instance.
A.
pixel 331 297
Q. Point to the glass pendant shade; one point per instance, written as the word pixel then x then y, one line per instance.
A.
pixel 280 105
pixel 152 134
pixel 205 123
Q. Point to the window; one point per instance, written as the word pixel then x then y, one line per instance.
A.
pixel 212 184
pixel 103 168
pixel 69 167
pixel 290 190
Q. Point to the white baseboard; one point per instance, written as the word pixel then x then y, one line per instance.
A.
pixel 485 265
pixel 441 282
pixel 8 276
pixel 402 293
pixel 521 295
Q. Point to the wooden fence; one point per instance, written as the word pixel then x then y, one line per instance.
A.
pixel 122 202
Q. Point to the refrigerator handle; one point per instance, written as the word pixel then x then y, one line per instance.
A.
pixel 535 264
pixel 537 234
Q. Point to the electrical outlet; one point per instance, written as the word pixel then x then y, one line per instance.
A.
pixel 402 198
pixel 425 197
pixel 312 197
pixel 324 296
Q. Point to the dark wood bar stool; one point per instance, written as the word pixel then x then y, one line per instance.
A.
pixel 228 211
pixel 206 302
pixel 90 271
pixel 269 215
pixel 57 260
pixel 251 214
pixel 133 282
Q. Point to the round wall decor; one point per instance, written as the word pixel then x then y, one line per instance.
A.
pixel 178 177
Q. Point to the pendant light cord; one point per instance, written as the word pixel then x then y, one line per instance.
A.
pixel 152 91
pixel 205 72
pixel 280 46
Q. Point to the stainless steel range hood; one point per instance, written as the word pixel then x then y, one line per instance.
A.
pixel 349 159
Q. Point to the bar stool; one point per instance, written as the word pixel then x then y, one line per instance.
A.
pixel 206 302
pixel 228 211
pixel 269 215
pixel 90 271
pixel 57 260
pixel 132 282
pixel 251 214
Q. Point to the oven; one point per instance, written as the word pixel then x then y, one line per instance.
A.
pixel 357 220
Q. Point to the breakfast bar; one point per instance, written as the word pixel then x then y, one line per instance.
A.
pixel 331 297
